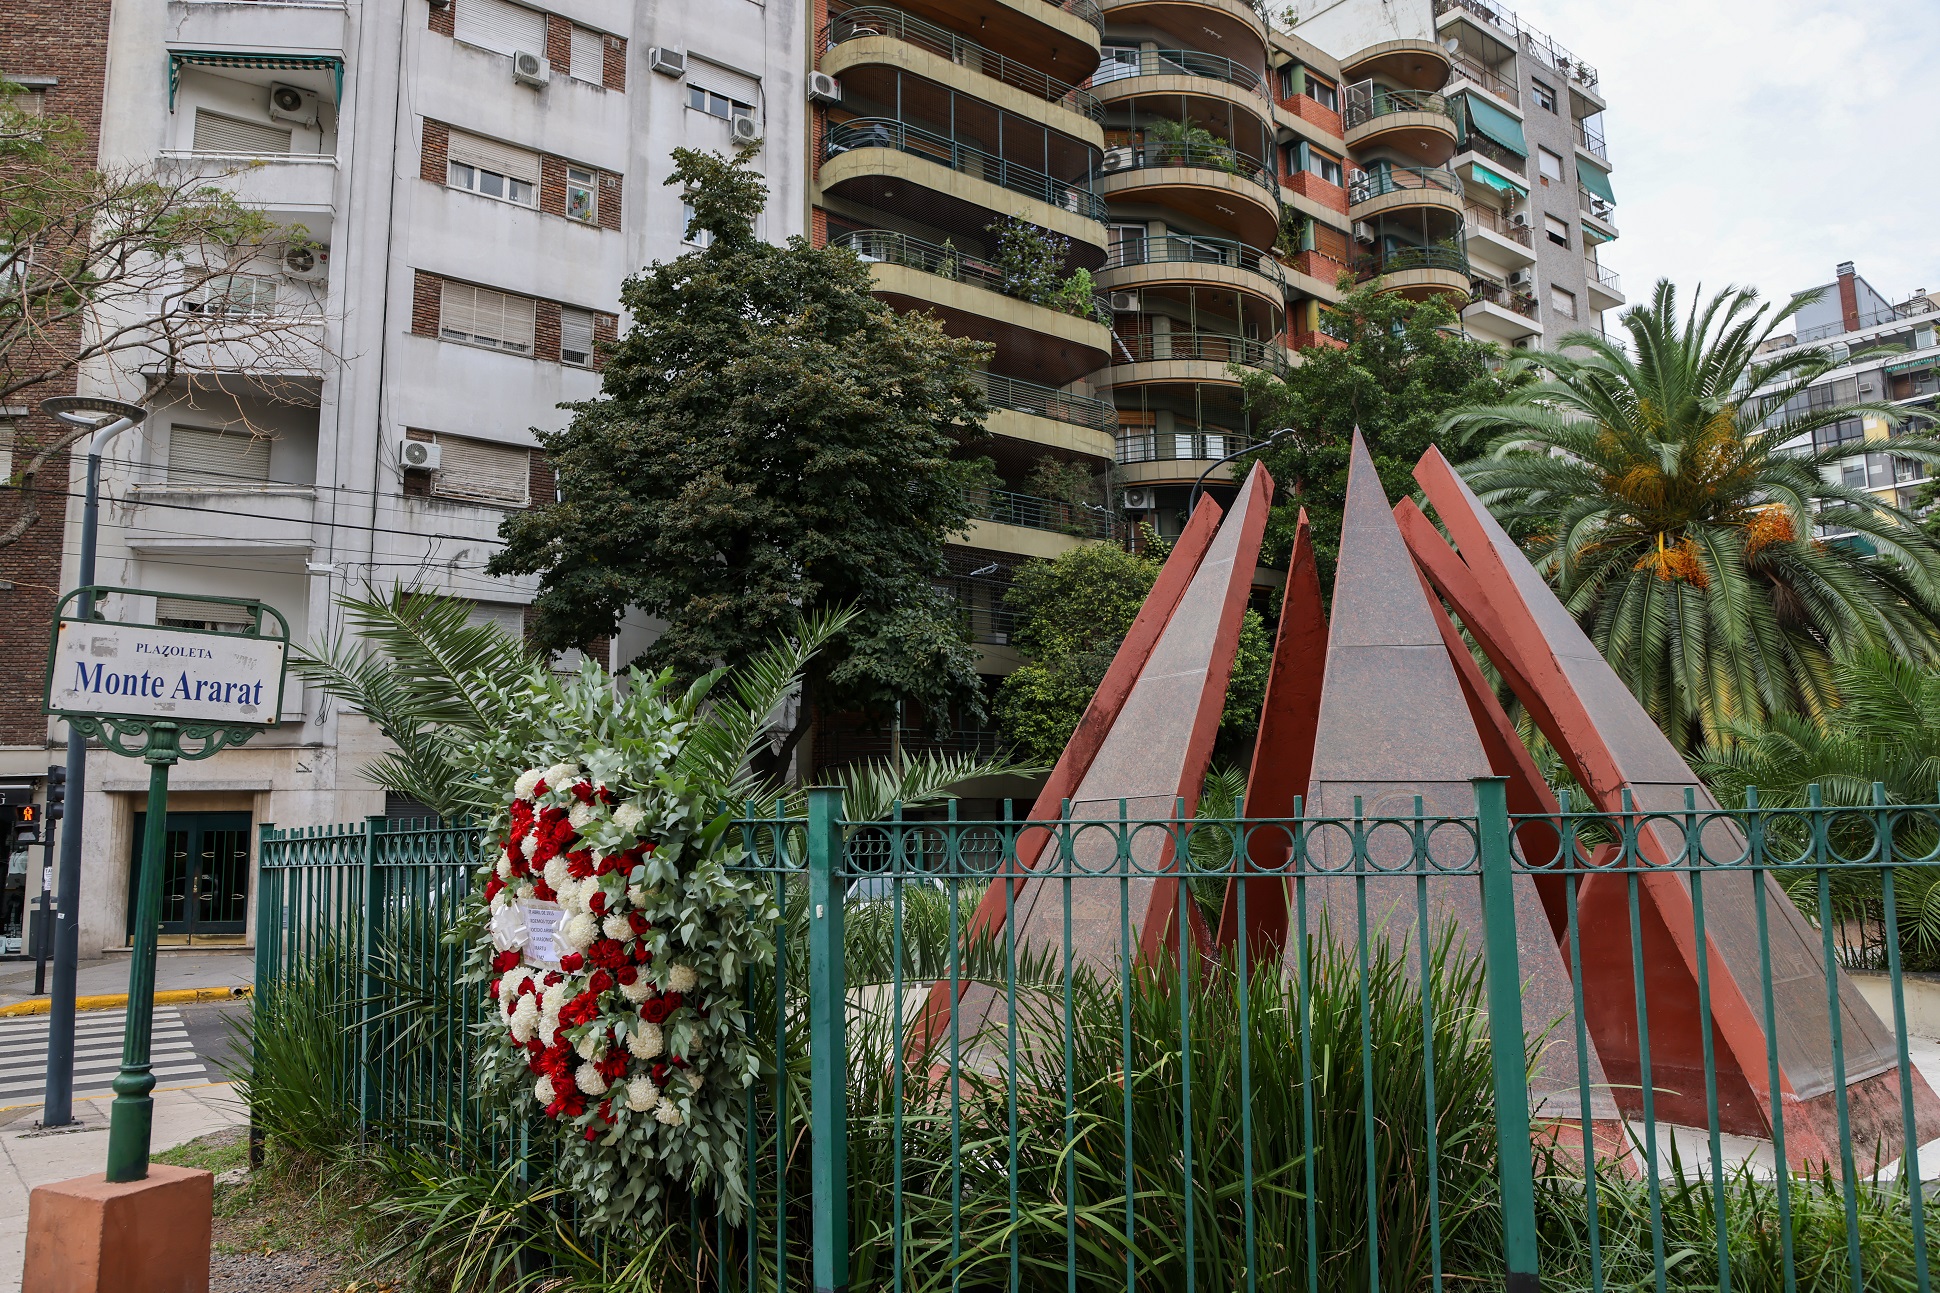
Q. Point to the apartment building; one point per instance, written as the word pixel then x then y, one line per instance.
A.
pixel 476 178
pixel 1852 318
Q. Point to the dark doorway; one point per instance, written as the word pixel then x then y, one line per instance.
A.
pixel 205 875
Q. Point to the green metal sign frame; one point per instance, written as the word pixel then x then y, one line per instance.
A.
pixel 161 742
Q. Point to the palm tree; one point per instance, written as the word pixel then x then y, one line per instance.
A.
pixel 1671 492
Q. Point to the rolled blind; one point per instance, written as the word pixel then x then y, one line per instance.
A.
pixel 491 155
pixel 496 25
pixel 589 55
pixel 215 133
pixel 484 315
pixel 197 456
pixel 576 336
pixel 479 469
pixel 180 610
pixel 725 81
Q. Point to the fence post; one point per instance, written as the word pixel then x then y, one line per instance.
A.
pixel 828 1045
pixel 268 911
pixel 1515 1166
pixel 367 980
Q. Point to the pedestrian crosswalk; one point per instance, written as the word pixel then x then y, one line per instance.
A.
pixel 97 1054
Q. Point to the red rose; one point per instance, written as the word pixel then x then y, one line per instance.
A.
pixel 639 922
pixel 579 864
pixel 605 1112
pixel 493 886
pixel 592 1133
pixel 640 954
pixel 540 788
pixel 554 976
pixel 659 1074
pixel 504 961
pixel 601 981
pixel 656 1010
pixel 571 962
pixel 612 1065
pixel 674 1000
pixel 597 903
pixel 607 796
pixel 626 975
pixel 581 791
pixel 543 891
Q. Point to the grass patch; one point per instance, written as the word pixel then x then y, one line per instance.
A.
pixel 217 1152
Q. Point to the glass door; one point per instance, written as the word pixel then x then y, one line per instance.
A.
pixel 205 874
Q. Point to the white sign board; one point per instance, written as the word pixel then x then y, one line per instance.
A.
pixel 146 671
pixel 542 920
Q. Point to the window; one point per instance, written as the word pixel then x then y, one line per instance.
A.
pixel 1549 164
pixel 481 317
pixel 1557 229
pixel 576 337
pixel 1119 62
pixel 1323 94
pixel 182 613
pixel 1303 156
pixel 500 27
pixel 480 471
pixel 690 235
pixel 237 295
pixel 492 169
pixel 31 104
pixel 6 448
pixel 1297 79
pixel 1545 95
pixel 199 456
pixel 1127 244
pixel 1563 303
pixel 215 133
pixel 589 55
pixel 717 105
pixel 582 195
pixel 1842 432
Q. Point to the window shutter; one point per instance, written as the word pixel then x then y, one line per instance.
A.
pixel 478 469
pixel 215 133
pixel 197 456
pixel 576 336
pixel 180 610
pixel 490 155
pixel 458 310
pixel 6 448
pixel 725 81
pixel 485 315
pixel 496 25
pixel 589 55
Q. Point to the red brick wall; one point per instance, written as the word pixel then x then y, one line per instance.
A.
pixel 1311 111
pixel 1307 184
pixel 68 40
pixel 606 331
pixel 613 71
pixel 545 332
pixel 541 483
pixel 426 303
pixel 818 227
pixel 552 185
pixel 436 152
pixel 559 42
pixel 443 20
pixel 610 190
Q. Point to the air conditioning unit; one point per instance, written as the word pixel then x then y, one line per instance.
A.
pixel 419 455
pixel 1125 302
pixel 308 263
pixel 823 88
pixel 531 69
pixel 1363 232
pixel 1868 388
pixel 1522 279
pixel 667 62
pixel 1116 159
pixel 1138 500
pixel 296 106
pixel 746 131
pixel 1520 220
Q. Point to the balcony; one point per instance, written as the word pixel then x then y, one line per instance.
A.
pixel 1580 74
pixel 1079 521
pixel 882 22
pixel 1187 20
pixel 1590 139
pixel 1041 401
pixel 1191 348
pixel 1496 238
pixel 1466 68
pixel 1127 72
pixel 1601 210
pixel 1172 257
pixel 1500 312
pixel 1415 122
pixel 1503 159
pixel 1216 183
pixel 1386 188
pixel 1180 446
pixel 887 247
pixel 1411 62
pixel 975 167
pixel 1416 272
pixel 1606 289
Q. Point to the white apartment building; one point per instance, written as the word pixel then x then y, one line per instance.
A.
pixel 478 178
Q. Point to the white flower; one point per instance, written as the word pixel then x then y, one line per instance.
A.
pixel 542 1089
pixel 525 1020
pixel 556 873
pixel 580 815
pixel 682 979
pixel 638 990
pixel 588 1079
pixel 617 927
pixel 645 1040
pixel 528 846
pixel 591 1045
pixel 561 775
pixel 571 896
pixel 579 932
pixel 641 1094
pixel 628 816
pixel 504 867
pixel 556 996
pixel 636 895
pixel 667 1113
pixel 528 780
pixel 508 987
pixel 693 1078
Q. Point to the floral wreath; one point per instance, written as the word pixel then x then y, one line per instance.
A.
pixel 615 942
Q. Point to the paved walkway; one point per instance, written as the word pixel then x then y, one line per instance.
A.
pixel 30 1156
pixel 185 968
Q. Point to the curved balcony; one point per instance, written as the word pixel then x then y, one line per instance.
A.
pixel 1177 457
pixel 1176 73
pixel 859 156
pixel 887 247
pixel 1413 122
pixel 1174 258
pixel 1417 272
pixel 1188 357
pixel 1215 183
pixel 1079 520
pixel 1045 415
pixel 1189 20
pixel 1369 193
pixel 1414 63
pixel 848 40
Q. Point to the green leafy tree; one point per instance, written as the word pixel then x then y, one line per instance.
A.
pixel 1398 373
pixel 770 441
pixel 1659 497
pixel 1073 612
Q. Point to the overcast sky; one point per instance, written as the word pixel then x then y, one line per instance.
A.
pixel 1764 141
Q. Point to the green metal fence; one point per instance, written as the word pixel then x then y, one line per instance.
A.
pixel 986 1075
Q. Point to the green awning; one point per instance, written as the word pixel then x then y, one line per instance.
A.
pixel 254 62
pixel 1595 179
pixel 1913 365
pixel 1501 183
pixel 1596 237
pixel 1488 120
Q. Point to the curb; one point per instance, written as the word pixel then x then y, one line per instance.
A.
pixel 119 1000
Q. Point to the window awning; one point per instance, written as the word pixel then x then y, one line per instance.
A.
pixel 1596 237
pixel 1913 365
pixel 1486 174
pixel 1595 179
pixel 177 58
pixel 1488 120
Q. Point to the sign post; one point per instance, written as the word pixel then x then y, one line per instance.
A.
pixel 161 695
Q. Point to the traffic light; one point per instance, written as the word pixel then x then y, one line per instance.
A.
pixel 56 793
pixel 25 826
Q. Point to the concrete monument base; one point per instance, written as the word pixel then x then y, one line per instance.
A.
pixel 88 1235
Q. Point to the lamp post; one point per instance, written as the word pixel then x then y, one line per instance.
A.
pixel 108 418
pixel 1192 503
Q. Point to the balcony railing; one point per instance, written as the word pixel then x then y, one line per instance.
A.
pixel 1367 101
pixel 885 132
pixel 1211 347
pixel 1595 207
pixel 880 20
pixel 1087 10
pixel 1406 258
pixel 1047 402
pixel 1607 277
pixel 886 246
pixel 1502 157
pixel 1487 289
pixel 1165 152
pixel 1120 64
pixel 1172 248
pixel 1591 139
pixel 1365 185
pixel 1180 446
pixel 1539 43
pixel 1494 221
pixel 1080 521
pixel 1470 69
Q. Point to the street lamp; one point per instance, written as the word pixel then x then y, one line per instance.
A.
pixel 1192 503
pixel 107 419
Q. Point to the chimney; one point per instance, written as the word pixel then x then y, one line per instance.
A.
pixel 1848 295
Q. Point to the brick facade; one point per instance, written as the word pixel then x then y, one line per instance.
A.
pixel 552 185
pixel 443 20
pixel 433 168
pixel 818 227
pixel 434 154
pixel 427 303
pixel 559 43
pixel 613 68
pixel 545 332
pixel 1309 185
pixel 66 40
pixel 1311 111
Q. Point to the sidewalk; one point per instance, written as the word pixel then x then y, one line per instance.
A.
pixel 108 975
pixel 30 1156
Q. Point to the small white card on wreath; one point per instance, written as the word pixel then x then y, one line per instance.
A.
pixel 542 920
